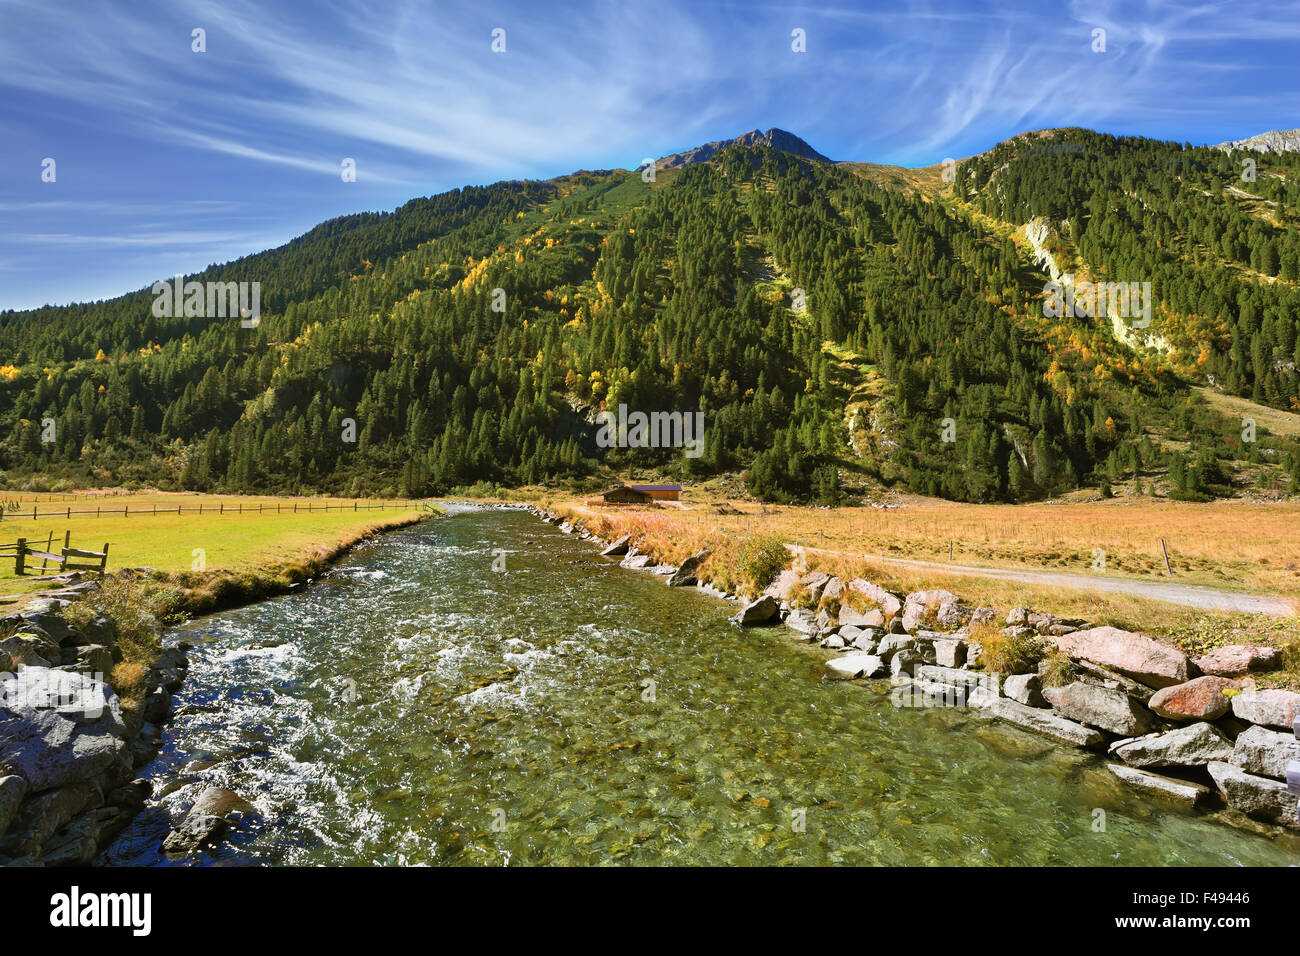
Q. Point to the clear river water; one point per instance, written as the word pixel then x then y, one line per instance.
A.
pixel 415 706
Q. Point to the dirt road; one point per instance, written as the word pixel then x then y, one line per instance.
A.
pixel 1185 594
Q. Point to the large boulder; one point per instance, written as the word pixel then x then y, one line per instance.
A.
pixel 1035 719
pixel 1136 655
pixel 888 602
pixel 1193 746
pixel 57 727
pixel 29 649
pixel 950 652
pixel 1237 659
pixel 1025 689
pixel 1201 698
pixel 873 617
pixel 206 820
pixel 1181 793
pixel 1100 707
pixel 1264 752
pixel 12 790
pixel 618 548
pixel 921 605
pixel 685 573
pixel 891 644
pixel 1272 708
pixel 762 611
pixel 783 587
pixel 1256 797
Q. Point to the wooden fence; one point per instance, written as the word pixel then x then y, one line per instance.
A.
pixel 219 508
pixel 68 559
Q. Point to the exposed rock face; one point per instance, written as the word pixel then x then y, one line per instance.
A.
pixel 1272 708
pixel 1256 797
pixel 57 727
pixel 775 138
pixel 1274 141
pixel 1032 718
pixel 1100 707
pixel 762 611
pixel 1201 698
pixel 1140 657
pixel 1192 746
pixel 1264 752
pixel 888 602
pixel 1239 659
pixel 1182 793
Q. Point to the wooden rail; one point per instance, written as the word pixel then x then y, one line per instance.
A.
pixel 68 559
pixel 235 508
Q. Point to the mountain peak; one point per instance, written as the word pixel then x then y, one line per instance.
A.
pixel 1273 141
pixel 775 138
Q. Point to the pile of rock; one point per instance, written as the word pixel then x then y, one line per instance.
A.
pixel 1195 732
pixel 69 749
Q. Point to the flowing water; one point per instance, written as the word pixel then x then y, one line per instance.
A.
pixel 414 706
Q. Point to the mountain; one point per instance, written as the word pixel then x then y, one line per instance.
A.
pixel 1274 141
pixel 774 138
pixel 842 328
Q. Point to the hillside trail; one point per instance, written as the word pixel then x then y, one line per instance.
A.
pixel 1188 595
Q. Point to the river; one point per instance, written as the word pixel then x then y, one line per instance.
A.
pixel 416 706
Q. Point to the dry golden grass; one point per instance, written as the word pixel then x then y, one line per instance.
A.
pixel 1227 544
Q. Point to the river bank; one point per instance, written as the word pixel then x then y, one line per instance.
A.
pixel 1191 733
pixel 86 688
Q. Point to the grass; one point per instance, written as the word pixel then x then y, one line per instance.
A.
pixel 1229 544
pixel 233 544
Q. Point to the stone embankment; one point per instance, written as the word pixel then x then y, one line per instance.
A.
pixel 1194 733
pixel 70 747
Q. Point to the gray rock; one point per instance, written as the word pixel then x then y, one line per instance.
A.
pixel 852 666
pixel 871 618
pixel 1264 753
pixel 94 659
pixel 12 790
pixel 1035 719
pixel 42 814
pixel 57 727
pixel 954 677
pixel 78 842
pixel 618 548
pixel 953 614
pixel 865 642
pixel 29 650
pixel 1138 656
pixel 904 662
pixel 1018 617
pixel 888 602
pixel 1257 797
pixel 1100 707
pixel 1272 708
pixel 762 611
pixel 685 574
pixel 891 644
pixel 1025 689
pixel 834 642
pixel 1181 793
pixel 1192 746
pixel 206 820
pixel 53 625
pixel 636 562
pixel 850 632
pixel 802 620
pixel 950 653
pixel 922 604
pixel 1238 659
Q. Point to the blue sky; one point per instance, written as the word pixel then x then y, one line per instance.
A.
pixel 169 160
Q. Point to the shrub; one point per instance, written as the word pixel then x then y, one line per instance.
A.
pixel 1009 654
pixel 760 560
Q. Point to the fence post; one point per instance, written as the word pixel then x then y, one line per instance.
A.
pixel 69 518
pixel 126 511
pixel 33 512
pixel 221 508
pixel 20 557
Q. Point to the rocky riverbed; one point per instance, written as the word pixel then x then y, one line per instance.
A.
pixel 1193 733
